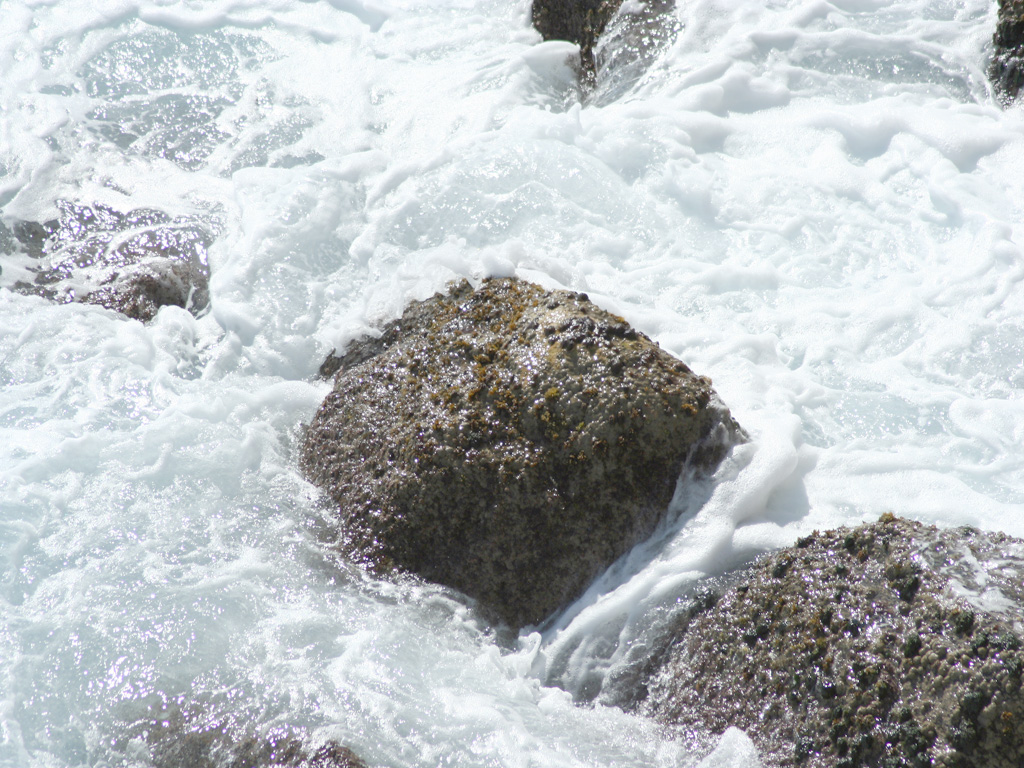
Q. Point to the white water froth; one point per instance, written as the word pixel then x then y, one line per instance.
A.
pixel 816 204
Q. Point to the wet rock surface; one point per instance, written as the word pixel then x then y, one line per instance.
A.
pixel 190 737
pixel 1007 68
pixel 618 40
pixel 509 442
pixel 133 262
pixel 578 21
pixel 890 644
pixel 207 750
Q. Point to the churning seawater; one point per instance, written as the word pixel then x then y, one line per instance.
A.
pixel 818 204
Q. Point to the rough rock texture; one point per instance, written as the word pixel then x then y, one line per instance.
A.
pixel 508 442
pixel 1007 68
pixel 891 644
pixel 132 262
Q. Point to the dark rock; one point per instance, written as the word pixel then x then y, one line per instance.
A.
pixel 578 21
pixel 1007 68
pixel 509 442
pixel 133 262
pixel 861 647
pixel 190 738
pixel 207 750
pixel 616 44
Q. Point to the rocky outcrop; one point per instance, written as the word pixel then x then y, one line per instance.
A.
pixel 132 262
pixel 891 644
pixel 509 442
pixel 1007 68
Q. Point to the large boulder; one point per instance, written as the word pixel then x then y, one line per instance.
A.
pixel 1007 68
pixel 133 262
pixel 509 442
pixel 890 644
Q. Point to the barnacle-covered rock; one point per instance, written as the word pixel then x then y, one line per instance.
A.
pixel 890 644
pixel 509 442
pixel 133 262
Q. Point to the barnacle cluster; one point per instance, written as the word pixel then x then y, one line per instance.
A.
pixel 861 647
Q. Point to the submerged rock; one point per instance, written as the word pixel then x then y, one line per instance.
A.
pixel 891 644
pixel 207 750
pixel 190 738
pixel 132 262
pixel 1007 68
pixel 509 442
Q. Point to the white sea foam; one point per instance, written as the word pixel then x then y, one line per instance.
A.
pixel 816 204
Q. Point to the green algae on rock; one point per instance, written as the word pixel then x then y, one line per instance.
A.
pixel 509 442
pixel 890 644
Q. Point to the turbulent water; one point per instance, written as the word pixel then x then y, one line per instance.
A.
pixel 818 204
